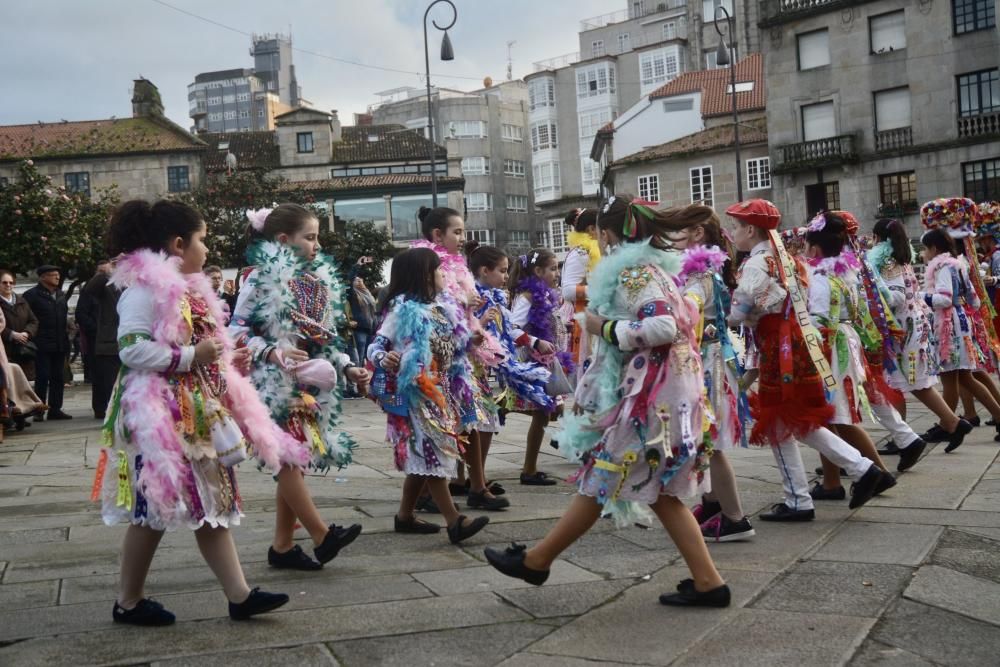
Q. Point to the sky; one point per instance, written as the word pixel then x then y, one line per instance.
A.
pixel 76 59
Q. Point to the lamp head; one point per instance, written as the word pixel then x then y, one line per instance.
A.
pixel 447 53
pixel 722 54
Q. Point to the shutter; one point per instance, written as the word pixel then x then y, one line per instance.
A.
pixel 892 109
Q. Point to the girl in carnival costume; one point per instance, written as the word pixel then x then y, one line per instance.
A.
pixel 638 420
pixel 444 233
pixel 794 375
pixel 422 346
pixel 707 278
pixel 581 259
pixel 287 315
pixel 836 306
pixel 915 370
pixel 536 311
pixel 180 411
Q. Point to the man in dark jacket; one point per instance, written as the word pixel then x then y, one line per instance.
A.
pixel 49 305
pixel 86 320
pixel 100 316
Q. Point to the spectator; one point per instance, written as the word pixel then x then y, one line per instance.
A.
pixel 363 308
pixel 19 401
pixel 86 320
pixel 50 307
pixel 103 314
pixel 220 285
pixel 22 326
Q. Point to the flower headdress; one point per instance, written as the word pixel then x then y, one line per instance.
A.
pixel 957 215
pixel 258 217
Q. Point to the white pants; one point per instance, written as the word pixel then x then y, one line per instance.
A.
pixel 900 431
pixel 793 472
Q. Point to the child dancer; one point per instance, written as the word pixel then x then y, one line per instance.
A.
pixel 700 237
pixel 177 420
pixel 287 314
pixel 421 345
pixel 915 370
pixel 581 259
pixel 536 311
pixel 790 402
pixel 638 415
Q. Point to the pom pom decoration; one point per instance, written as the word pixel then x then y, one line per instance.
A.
pixel 989 215
pixel 258 217
pixel 957 215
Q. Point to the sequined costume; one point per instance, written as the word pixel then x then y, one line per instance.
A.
pixel 537 313
pixel 947 291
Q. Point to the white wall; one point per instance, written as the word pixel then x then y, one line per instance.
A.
pixel 649 125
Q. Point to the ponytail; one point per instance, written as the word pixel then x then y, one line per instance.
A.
pixel 893 231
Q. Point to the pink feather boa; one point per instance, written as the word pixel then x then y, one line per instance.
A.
pixel 147 397
pixel 840 266
pixel 701 259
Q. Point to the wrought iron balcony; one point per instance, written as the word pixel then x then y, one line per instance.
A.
pixel 891 140
pixel 983 125
pixel 776 12
pixel 819 153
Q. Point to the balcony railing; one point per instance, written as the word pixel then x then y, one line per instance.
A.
pixel 648 7
pixel 774 12
pixel 557 62
pixel 890 140
pixel 979 126
pixel 818 153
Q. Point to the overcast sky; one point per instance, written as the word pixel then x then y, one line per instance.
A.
pixel 76 59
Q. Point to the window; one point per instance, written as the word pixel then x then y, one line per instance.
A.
pixel 478 201
pixel 517 203
pixel 243 97
pixel 228 99
pixel 547 181
pixel 543 136
pixel 818 121
pixel 513 168
pixel 214 101
pixel 979 93
pixel 973 15
pixel 272 85
pixel 337 173
pixel 638 8
pixel 78 181
pixel 669 106
pixel 556 240
pixel 657 67
pixel 481 236
pixel 541 93
pixel 260 113
pixel 898 192
pixel 590 175
pixel 229 115
pixel 892 109
pixel 624 42
pixel 215 116
pixel 595 80
pixel 708 8
pixel 814 49
pixel 597 48
pixel 518 238
pixel 475 166
pixel 305 142
pixel 981 180
pixel 591 122
pixel 669 30
pixel 759 173
pixel 177 179
pixel 701 186
pixel 4 181
pixel 244 113
pixel 887 32
pixel 822 197
pixel 649 187
pixel 468 128
pixel 374 171
pixel 511 132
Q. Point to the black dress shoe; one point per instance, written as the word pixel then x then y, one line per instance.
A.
pixel 495 488
pixel 996 438
pixel 427 504
pixel 934 434
pixel 890 449
pixel 479 500
pixel 687 596
pixel 40 417
pixel 886 483
pixel 414 526
pixel 909 456
pixel 510 561
pixel 59 415
pixel 956 439
pixel 335 540
pixel 973 420
pixel 990 422
pixel 538 478
pixel 819 471
pixel 258 602
pixel 146 612
pixel 293 559
pixel 460 530
pixel 819 492
pixel 863 489
pixel 782 512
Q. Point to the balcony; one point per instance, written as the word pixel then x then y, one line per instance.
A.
pixel 557 62
pixel 819 153
pixel 648 8
pixel 983 125
pixel 776 12
pixel 892 140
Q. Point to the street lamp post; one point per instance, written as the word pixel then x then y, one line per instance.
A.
pixel 446 54
pixel 722 57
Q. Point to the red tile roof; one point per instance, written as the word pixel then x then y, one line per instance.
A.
pixel 384 181
pixel 714 138
pixel 253 150
pixel 713 85
pixel 391 142
pixel 94 137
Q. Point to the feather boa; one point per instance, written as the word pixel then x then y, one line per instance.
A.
pixel 542 316
pixel 842 265
pixel 702 259
pixel 944 322
pixel 277 266
pixel 588 243
pixel 147 400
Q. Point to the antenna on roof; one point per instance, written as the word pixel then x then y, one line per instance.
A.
pixel 510 61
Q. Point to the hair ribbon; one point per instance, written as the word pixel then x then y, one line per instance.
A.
pixel 258 217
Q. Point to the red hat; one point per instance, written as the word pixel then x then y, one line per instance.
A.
pixel 851 225
pixel 757 212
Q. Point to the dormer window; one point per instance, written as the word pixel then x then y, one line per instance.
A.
pixel 305 142
pixel 223 145
pixel 372 138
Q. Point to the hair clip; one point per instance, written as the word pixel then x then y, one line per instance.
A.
pixel 258 218
pixel 631 228
pixel 524 260
pixel 818 223
pixel 576 215
pixel 607 204
pixel 534 258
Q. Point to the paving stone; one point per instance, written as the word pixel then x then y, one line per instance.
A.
pixel 932 517
pixel 565 600
pixel 876 654
pixel 956 591
pixel 971 554
pixel 942 485
pixel 815 639
pixel 539 660
pixel 776 545
pixel 820 587
pixel 464 646
pixel 486 578
pixel 938 635
pixel 32 536
pixel 312 654
pixel 859 542
pixel 24 596
pixel 628 565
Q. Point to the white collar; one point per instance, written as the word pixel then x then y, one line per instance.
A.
pixel 763 246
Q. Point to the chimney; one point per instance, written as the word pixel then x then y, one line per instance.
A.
pixel 336 131
pixel 146 100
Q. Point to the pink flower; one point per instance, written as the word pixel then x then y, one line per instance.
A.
pixel 45 209
pixel 44 238
pixel 31 163
pixel 17 211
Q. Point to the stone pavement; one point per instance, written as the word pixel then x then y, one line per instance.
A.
pixel 911 579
